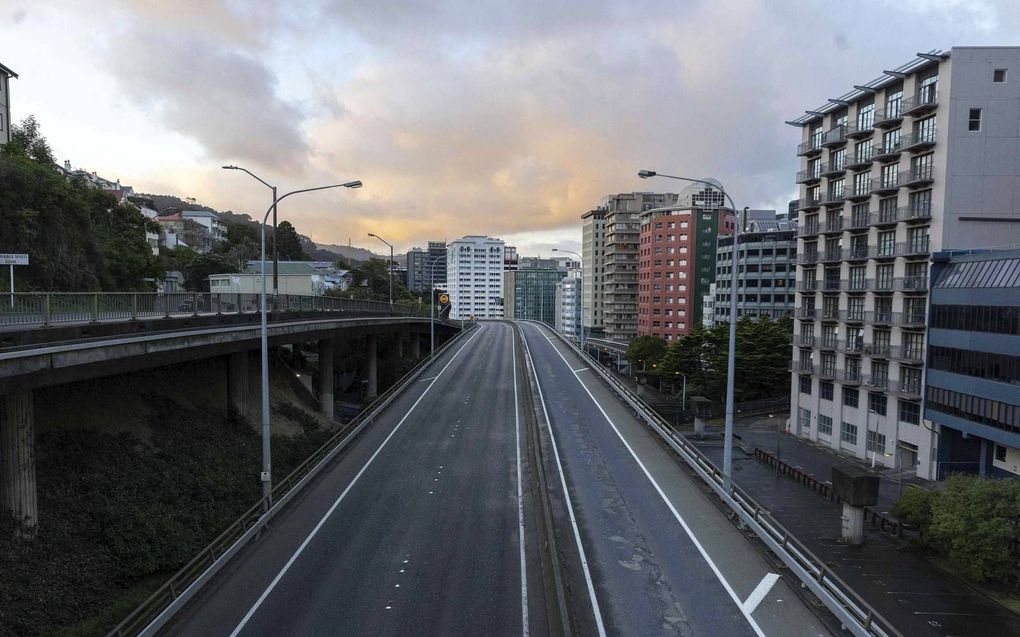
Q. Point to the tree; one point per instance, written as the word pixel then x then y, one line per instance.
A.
pixel 26 139
pixel 289 243
pixel 645 351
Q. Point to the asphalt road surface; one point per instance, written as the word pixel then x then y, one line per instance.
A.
pixel 661 558
pixel 418 530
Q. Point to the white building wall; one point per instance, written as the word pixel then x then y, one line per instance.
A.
pixel 474 272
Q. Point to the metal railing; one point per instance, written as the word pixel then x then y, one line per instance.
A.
pixel 859 617
pixel 49 308
pixel 153 613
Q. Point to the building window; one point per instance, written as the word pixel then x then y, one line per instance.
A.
pixel 848 433
pixel 999 76
pixel 910 412
pixel 877 403
pixel 850 396
pixel 805 418
pixel 875 441
pixel 805 385
pixel 974 120
pixel 1000 453
pixel 825 390
pixel 824 425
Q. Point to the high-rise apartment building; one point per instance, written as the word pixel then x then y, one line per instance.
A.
pixel 593 255
pixel 766 272
pixel 420 264
pixel 676 259
pixel 568 305
pixel 5 103
pixel 924 158
pixel 510 258
pixel 620 289
pixel 474 277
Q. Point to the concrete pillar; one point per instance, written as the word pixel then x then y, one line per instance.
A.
pixel 326 377
pixel 853 524
pixel 415 346
pixel 699 427
pixel 400 347
pixel 237 385
pixel 17 460
pixel 373 364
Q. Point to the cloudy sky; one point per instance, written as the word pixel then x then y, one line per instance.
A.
pixel 461 116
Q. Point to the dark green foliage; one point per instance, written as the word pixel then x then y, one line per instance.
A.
pixel 371 281
pixel 197 267
pixel 645 352
pixel 914 509
pixel 289 243
pixel 116 511
pixel 77 238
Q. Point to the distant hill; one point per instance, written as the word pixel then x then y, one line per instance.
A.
pixel 350 253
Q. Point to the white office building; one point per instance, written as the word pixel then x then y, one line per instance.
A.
pixel 474 273
pixel 924 158
pixel 568 305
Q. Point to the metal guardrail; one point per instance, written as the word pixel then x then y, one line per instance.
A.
pixel 169 598
pixel 48 308
pixel 848 606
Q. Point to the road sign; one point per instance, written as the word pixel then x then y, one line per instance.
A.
pixel 444 299
pixel 13 259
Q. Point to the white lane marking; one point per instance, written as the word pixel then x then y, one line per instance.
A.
pixel 759 592
pixel 566 497
pixel 520 493
pixel 426 379
pixel 300 549
pixel 579 370
pixel 662 494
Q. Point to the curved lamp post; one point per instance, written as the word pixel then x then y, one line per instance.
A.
pixel 276 251
pixel 731 356
pixel 389 266
pixel 266 475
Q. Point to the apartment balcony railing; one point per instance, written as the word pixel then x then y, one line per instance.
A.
pixel 877 351
pixel 827 372
pixel 886 184
pixel 860 129
pixel 856 253
pixel 802 367
pixel 833 168
pixel 807 258
pixel 915 212
pixel 850 375
pixel 924 101
pixel 859 221
pixel 808 230
pixel 860 159
pixel 832 198
pixel 908 354
pixel 878 382
pixel 914 284
pixel 809 175
pixel 882 317
pixel 834 137
pixel 859 191
pixel 889 116
pixel 812 146
pixel 856 286
pixel 918 141
pixel 884 285
pixel 830 285
pixel 918 176
pixel 887 151
pixel 854 346
pixel 801 340
pixel 831 254
pixel 829 343
pixel 911 319
pixel 808 203
pixel 907 390
pixel 851 316
pixel 915 247
pixel 805 312
pixel 833 226
pixel 807 286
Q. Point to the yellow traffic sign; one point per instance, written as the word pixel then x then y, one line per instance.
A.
pixel 444 299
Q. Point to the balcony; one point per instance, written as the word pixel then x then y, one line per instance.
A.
pixel 912 320
pixel 807 258
pixel 850 376
pixel 854 346
pixel 812 146
pixel 833 169
pixel 877 351
pixel 888 152
pixel 907 390
pixel 918 176
pixel 885 217
pixel 859 221
pixel 915 212
pixel 808 203
pixel 884 286
pixel 877 382
pixel 919 141
pixel 924 101
pixel 857 286
pixel 888 117
pixel 806 313
pixel 802 367
pixel 852 316
pixel 800 340
pixel 810 175
pixel 829 343
pixel 833 226
pixel 833 198
pixel 830 316
pixel 859 191
pixel 807 285
pixel 808 229
pixel 831 285
pixel 910 355
pixel 832 254
pixel 860 159
pixel 887 184
pixel 827 372
pixel 882 317
pixel 834 137
pixel 916 247
pixel 912 284
pixel 859 130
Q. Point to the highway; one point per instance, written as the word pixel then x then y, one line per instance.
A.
pixel 661 558
pixel 418 529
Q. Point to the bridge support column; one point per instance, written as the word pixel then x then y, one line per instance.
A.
pixel 373 364
pixel 17 460
pixel 400 346
pixel 326 377
pixel 237 386
pixel 415 346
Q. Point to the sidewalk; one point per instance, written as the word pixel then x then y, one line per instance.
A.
pixel 915 595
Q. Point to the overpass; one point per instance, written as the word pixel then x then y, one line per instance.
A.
pixel 54 339
pixel 508 487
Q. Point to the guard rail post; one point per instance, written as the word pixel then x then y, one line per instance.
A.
pixel 95 307
pixel 46 309
pixel 134 306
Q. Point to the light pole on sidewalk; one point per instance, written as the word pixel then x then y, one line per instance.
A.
pixel 276 242
pixel 731 356
pixel 779 438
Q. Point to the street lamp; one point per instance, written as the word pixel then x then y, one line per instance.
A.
pixel 731 356
pixel 389 266
pixel 874 441
pixel 580 260
pixel 266 477
pixel 432 303
pixel 276 242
